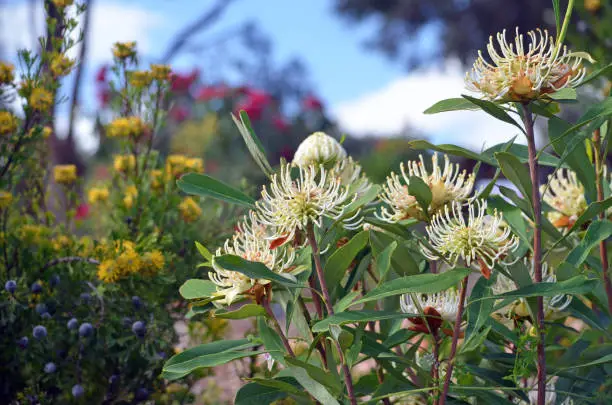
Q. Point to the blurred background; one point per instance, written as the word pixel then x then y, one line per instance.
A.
pixel 365 68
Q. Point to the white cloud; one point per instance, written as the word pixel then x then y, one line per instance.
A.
pixel 401 103
pixel 111 22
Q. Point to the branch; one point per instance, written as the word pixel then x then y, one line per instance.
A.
pixel 205 20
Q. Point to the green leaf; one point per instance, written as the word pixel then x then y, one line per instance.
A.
pixel 195 289
pixel 203 251
pixel 271 340
pixel 340 260
pixel 493 110
pixel 557 10
pixel 451 104
pixel 420 283
pixel 402 261
pixel 449 149
pixel 599 110
pixel 316 381
pixel 604 359
pixel 512 215
pixel 207 355
pixel 421 191
pixel 479 313
pixel 383 261
pixel 574 286
pixel 343 318
pixel 516 172
pixel 252 142
pixel 522 154
pixel 203 185
pixel 596 232
pixel 254 270
pixel 567 93
pixel 245 311
pixel 262 391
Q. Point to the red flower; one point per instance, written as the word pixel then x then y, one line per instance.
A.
pixel 254 103
pixel 101 75
pixel 82 211
pixel 312 103
pixel 180 83
pixel 179 113
pixel 280 123
pixel 104 96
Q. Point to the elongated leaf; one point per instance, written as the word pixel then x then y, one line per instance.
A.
pixel 599 110
pixel 316 389
pixel 252 142
pixel 522 154
pixel 597 231
pixel 557 10
pixel 480 312
pixel 512 215
pixel 260 391
pixel 449 149
pixel 420 283
pixel 207 355
pixel 195 289
pixel 203 251
pixel 493 110
pixel 603 360
pixel 421 192
pixel 343 318
pixel 245 311
pixel 318 375
pixel 254 270
pixel 567 93
pixel 383 261
pixel 346 301
pixel 516 172
pixel 603 71
pixel 451 104
pixel 340 260
pixel 402 261
pixel 203 185
pixel 574 286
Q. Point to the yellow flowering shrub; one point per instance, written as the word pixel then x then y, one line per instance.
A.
pixel 124 163
pixel 124 50
pixel 40 99
pixel 7 74
pixel 8 123
pixel 190 210
pixel 65 174
pixel 125 127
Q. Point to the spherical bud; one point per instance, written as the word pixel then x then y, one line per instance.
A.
pixel 50 368
pixel 39 332
pixel 139 328
pixel 46 315
pixel 127 322
pixel 10 286
pixel 78 390
pixel 318 148
pixel 36 288
pixel 72 324
pixel 86 330
pixel 85 297
pixel 136 302
pixel 54 281
pixel 141 394
pixel 23 342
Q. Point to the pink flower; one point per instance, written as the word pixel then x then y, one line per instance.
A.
pixel 104 96
pixel 180 83
pixel 101 75
pixel 312 103
pixel 82 211
pixel 208 93
pixel 179 113
pixel 280 123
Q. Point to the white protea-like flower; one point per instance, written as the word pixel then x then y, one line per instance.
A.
pixel 250 243
pixel 446 184
pixel 565 194
pixel 290 204
pixel 521 72
pixel 553 306
pixel 484 239
pixel 532 394
pixel 436 307
pixel 352 176
pixel 318 148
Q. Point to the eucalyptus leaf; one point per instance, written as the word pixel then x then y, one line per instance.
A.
pixel 254 270
pixel 451 104
pixel 245 311
pixel 337 264
pixel 206 186
pixel 195 289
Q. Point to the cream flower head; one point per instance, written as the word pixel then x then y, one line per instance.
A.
pixel 565 194
pixel 435 307
pixel 288 205
pixel 553 306
pixel 483 238
pixel 318 148
pixel 551 393
pixel 447 184
pixel 249 242
pixel 519 73
pixel 351 176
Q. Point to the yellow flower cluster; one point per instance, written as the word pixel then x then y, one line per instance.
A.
pixel 65 174
pixel 157 180
pixel 140 78
pixel 5 199
pixel 124 163
pixel 40 99
pixel 61 242
pixel 592 5
pixel 7 74
pixel 61 65
pixel 177 165
pixel 8 123
pixel 45 131
pixel 33 234
pixel 190 210
pixel 62 3
pixel 131 192
pixel 130 262
pixel 126 127
pixel 124 50
pixel 160 72
pixel 97 194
